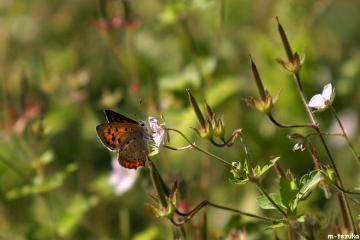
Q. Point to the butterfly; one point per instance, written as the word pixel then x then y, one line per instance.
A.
pixel 125 136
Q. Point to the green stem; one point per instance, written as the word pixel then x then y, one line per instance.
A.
pixel 281 125
pixel 178 148
pixel 205 203
pixel 323 133
pixel 317 129
pixel 248 159
pixel 227 143
pixel 199 148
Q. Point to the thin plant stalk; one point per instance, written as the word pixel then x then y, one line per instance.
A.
pixel 327 150
pixel 282 125
pixel 250 166
pixel 205 203
pixel 311 116
pixel 199 148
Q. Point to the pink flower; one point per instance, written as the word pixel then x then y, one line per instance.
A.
pixel 122 179
pixel 157 132
pixel 157 135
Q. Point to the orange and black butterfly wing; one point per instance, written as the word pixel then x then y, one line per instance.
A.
pixel 133 153
pixel 113 135
pixel 112 116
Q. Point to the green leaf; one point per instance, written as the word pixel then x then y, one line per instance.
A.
pixel 301 218
pixel 266 167
pixel 288 192
pixel 239 174
pixel 308 182
pixel 278 224
pixel 239 181
pixel 264 202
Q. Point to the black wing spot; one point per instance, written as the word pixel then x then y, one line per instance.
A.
pixel 126 129
pixel 113 134
pixel 119 141
pixel 116 129
pixel 109 131
pixel 113 139
pixel 127 142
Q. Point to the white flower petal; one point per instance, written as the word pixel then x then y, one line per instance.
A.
pixel 317 101
pixel 327 92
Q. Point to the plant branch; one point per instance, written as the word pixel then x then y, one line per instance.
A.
pixel 281 125
pixel 199 148
pixel 191 213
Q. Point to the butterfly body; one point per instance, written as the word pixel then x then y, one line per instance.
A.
pixel 125 136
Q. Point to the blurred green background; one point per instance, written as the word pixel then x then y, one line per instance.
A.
pixel 61 65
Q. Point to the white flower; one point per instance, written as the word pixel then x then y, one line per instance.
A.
pixel 157 132
pixel 122 179
pixel 322 101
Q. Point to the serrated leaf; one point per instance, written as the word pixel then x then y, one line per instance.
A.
pixel 239 181
pixel 288 192
pixel 260 171
pixel 301 218
pixel 308 182
pixel 264 202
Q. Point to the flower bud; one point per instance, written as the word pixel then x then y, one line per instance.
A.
pixel 219 127
pixel 197 110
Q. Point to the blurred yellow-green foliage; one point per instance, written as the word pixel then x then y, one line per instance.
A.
pixel 61 65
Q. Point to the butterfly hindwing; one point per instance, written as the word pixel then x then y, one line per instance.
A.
pixel 112 116
pixel 133 153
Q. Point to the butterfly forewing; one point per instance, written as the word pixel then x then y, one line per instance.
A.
pixel 113 135
pixel 112 116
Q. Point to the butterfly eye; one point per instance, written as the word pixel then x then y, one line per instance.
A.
pixel 142 124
